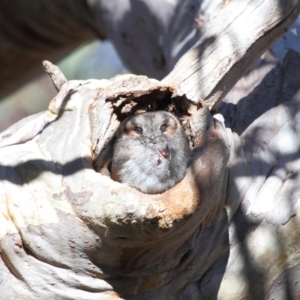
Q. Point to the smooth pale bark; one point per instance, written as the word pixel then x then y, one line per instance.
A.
pixel 157 32
pixel 263 195
pixel 158 39
pixel 89 236
pixel 70 232
pixel 238 36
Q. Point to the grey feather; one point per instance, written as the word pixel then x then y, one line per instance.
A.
pixel 151 152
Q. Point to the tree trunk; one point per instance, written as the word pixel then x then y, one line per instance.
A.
pixel 70 232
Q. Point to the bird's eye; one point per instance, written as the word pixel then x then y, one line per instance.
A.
pixel 138 129
pixel 163 127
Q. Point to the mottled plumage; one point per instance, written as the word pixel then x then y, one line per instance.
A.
pixel 151 152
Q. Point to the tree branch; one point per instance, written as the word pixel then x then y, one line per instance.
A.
pixel 235 39
pixel 57 77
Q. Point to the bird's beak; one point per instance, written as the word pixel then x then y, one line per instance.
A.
pixel 165 152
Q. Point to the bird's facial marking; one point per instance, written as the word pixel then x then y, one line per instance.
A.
pixel 169 126
pixel 137 129
pixel 164 127
pixel 132 128
pixel 171 130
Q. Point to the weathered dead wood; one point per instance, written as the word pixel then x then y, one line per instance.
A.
pixel 128 234
pixel 264 179
pixel 238 36
pixel 43 30
pixel 57 77
pixel 71 232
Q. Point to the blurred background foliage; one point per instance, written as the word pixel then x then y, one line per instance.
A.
pixel 96 60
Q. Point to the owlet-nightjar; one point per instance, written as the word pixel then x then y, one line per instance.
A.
pixel 151 152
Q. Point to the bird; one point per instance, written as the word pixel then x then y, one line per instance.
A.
pixel 151 152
